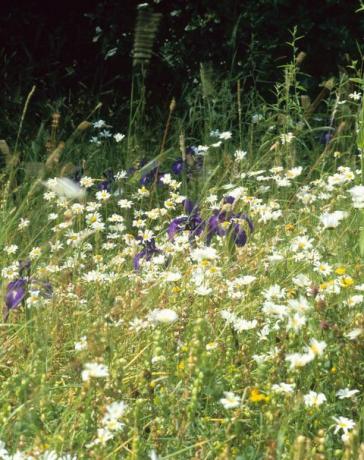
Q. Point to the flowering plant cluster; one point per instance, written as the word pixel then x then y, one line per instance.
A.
pixel 236 308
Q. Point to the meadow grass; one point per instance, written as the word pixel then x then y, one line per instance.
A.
pixel 196 297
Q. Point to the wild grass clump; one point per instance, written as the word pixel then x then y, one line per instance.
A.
pixel 196 298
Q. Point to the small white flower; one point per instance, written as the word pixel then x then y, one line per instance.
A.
pixel 300 305
pixel 119 137
pixel 172 276
pixel 121 175
pixel 82 344
pixel 216 144
pixel 257 117
pixel 333 219
pixel 225 135
pixel 313 399
pixel 95 140
pixel 4 454
pixel 125 204
pixel 143 192
pixel 33 299
pixel 355 96
pixel 24 223
pixel 239 155
pixel 316 348
pixel 202 149
pixel 105 133
pixel 294 172
pixel 99 124
pixel 354 300
pixel 344 424
pixel 230 401
pixel 86 182
pixel 286 138
pixel 103 195
pixel 164 316
pixel 302 281
pixel 11 249
pixel 274 292
pixel 35 253
pixel 103 435
pixel 298 360
pixel 346 393
pixel 354 334
pixel 296 322
pixel 94 370
pixel 283 387
pixel 357 195
pixel 246 280
pixel 153 455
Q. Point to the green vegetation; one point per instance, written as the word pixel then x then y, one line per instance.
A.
pixel 187 285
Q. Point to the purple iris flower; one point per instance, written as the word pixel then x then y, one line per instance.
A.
pixel 192 222
pixel 189 206
pixel 229 199
pixel 104 185
pixel 147 253
pixel 214 226
pixel 153 176
pixel 238 235
pixel 176 226
pixel 178 166
pixel 107 183
pixel 191 163
pixel 191 150
pixel 235 230
pixel 247 220
pixel 15 293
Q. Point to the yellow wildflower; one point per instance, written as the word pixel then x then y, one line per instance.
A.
pixel 347 281
pixel 257 396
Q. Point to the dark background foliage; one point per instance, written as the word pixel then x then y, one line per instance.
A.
pixel 59 45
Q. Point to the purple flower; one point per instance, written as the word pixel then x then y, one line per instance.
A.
pixel 192 222
pixel 238 235
pixel 189 206
pixel 236 230
pixel 15 293
pixel 247 220
pixel 214 227
pixel 107 183
pixel 153 176
pixel 191 150
pixel 229 199
pixel 191 163
pixel 178 166
pixel 17 290
pixel 147 253
pixel 176 226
